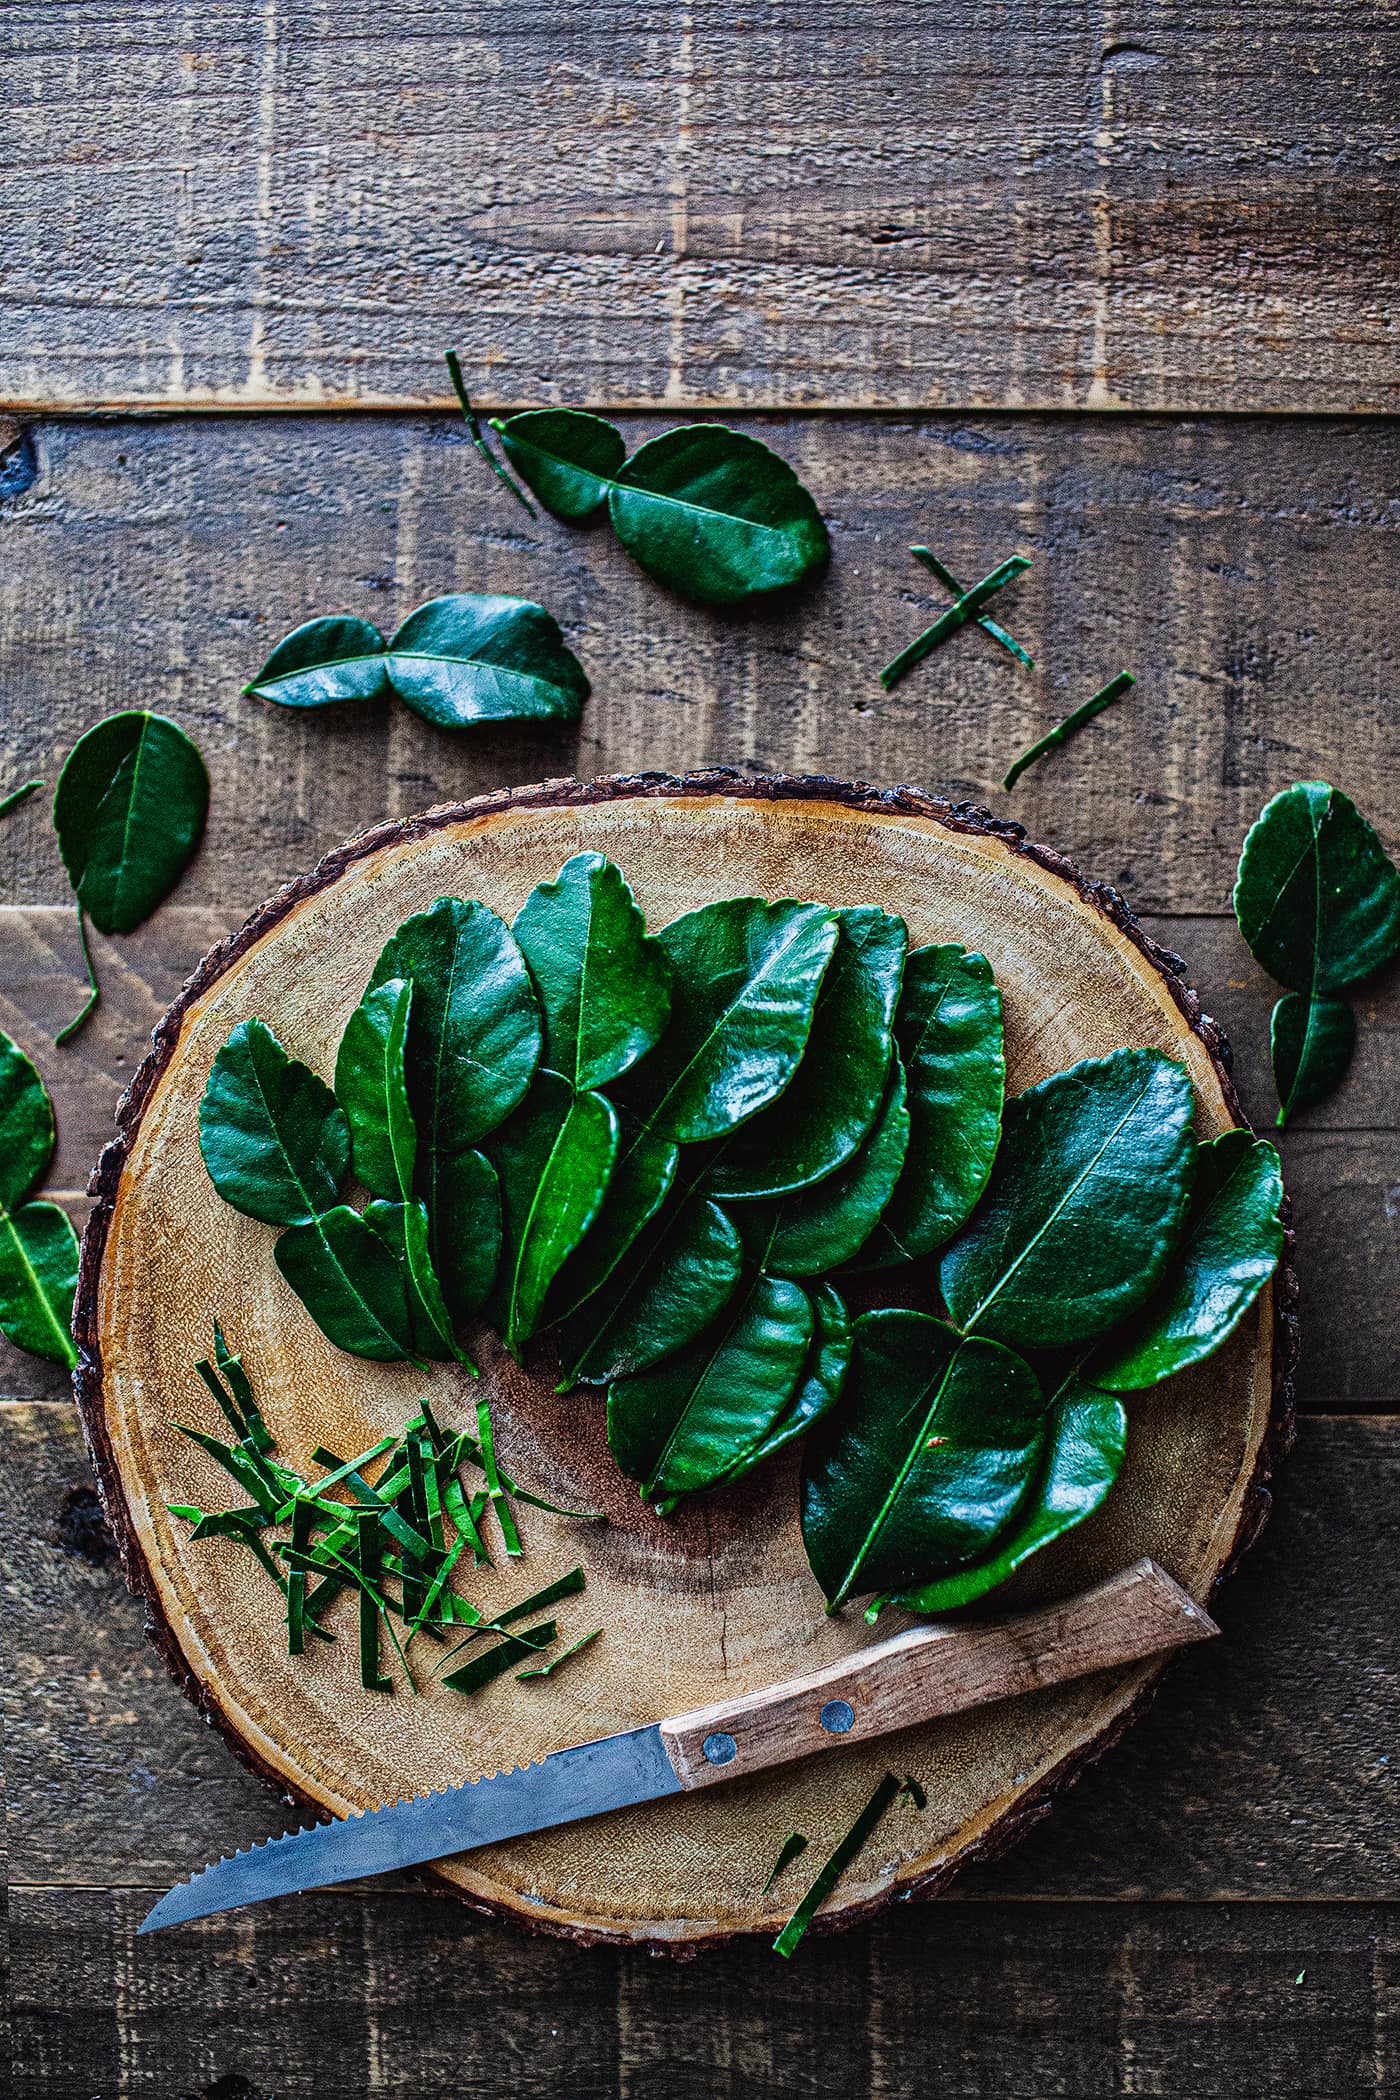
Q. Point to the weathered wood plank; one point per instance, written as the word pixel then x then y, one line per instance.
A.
pixel 861 204
pixel 402 1995
pixel 1264 1770
pixel 1249 572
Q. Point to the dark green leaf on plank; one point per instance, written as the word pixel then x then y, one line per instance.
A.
pixel 129 809
pixel 465 1231
pixel 827 1111
pixel 18 795
pixel 474 1030
pixel 475 657
pixel 949 1032
pixel 967 607
pixel 1086 1434
pixel 553 1159
pixel 850 1847
pixel 792 1847
pixel 679 1278
pixel 1229 1248
pixel 273 1138
pixel 38 1276
pixel 819 1385
pixel 931 1450
pixel 1317 896
pixel 547 1669
pixel 1062 731
pixel 1084 1206
pixel 692 1419
pixel 322 662
pixel 641 1180
pixel 350 1283
pixel 745 975
pixel 568 457
pixel 821 1228
pixel 715 515
pixel 371 1085
pixel 478 436
pixel 26 1124
pixel 1311 1043
pixel 403 1228
pixel 603 983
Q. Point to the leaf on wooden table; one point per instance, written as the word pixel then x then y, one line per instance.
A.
pixel 680 1277
pixel 715 515
pixel 475 657
pixel 823 1227
pixel 553 1159
pixel 323 662
pixel 1311 1042
pixel 1229 1248
pixel 38 1276
pixel 1084 1206
pixel 949 1031
pixel 129 809
pixel 1317 896
pixel 350 1283
pixel 935 1442
pixel 745 975
pixel 465 1231
pixel 371 1085
pixel 568 457
pixel 826 1112
pixel 403 1228
pixel 26 1124
pixel 272 1135
pixel 820 1384
pixel 640 1182
pixel 603 982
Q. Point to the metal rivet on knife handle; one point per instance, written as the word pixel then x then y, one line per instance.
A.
pixel 936 1669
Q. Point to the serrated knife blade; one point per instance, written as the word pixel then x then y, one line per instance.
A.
pixel 921 1674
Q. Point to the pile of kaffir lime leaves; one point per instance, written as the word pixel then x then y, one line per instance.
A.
pixel 656 1163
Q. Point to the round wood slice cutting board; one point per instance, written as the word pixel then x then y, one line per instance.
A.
pixel 718 1599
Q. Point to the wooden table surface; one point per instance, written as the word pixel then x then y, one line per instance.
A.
pixel 1103 284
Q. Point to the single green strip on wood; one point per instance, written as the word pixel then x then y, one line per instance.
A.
pixel 874 1811
pixel 1062 731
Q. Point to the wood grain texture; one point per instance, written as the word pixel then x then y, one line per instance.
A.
pixel 1077 979
pixel 955 2001
pixel 1264 1769
pixel 866 203
pixel 1249 573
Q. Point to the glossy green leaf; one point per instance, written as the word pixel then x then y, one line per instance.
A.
pixel 350 1283
pixel 1311 1043
pixel 1086 1435
pixel 823 1227
pixel 403 1228
pixel 566 456
pixel 273 1138
pixel 679 1276
pixel 819 1385
pixel 38 1276
pixel 469 658
pixel 603 983
pixel 1084 1207
pixel 129 809
pixel 1229 1249
pixel 640 1183
pixel 827 1111
pixel 949 1032
pixel 715 515
pixel 934 1444
pixel 474 1032
pixel 26 1125
pixel 690 1420
pixel 465 1231
pixel 1317 896
pixel 745 975
pixel 322 662
pixel 553 1159
pixel 371 1085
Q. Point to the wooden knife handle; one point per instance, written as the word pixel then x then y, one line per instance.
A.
pixel 936 1669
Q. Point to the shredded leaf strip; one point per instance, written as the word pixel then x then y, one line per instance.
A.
pixel 958 614
pixel 240 1386
pixel 793 1845
pixel 381 1501
pixel 1105 697
pixel 303 1517
pixel 18 795
pixel 879 1804
pixel 505 1516
pixel 70 1028
pixel 547 1669
pixel 988 625
pixel 496 1661
pixel 371 1676
pixel 478 436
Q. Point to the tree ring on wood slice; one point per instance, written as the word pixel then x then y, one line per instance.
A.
pixel 719 1599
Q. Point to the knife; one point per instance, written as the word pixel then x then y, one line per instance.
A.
pixel 921 1674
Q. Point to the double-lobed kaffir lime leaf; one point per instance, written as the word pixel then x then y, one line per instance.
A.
pixel 822 1228
pixel 371 1086
pixel 465 658
pixel 1318 902
pixel 273 1137
pixel 38 1246
pixel 711 513
pixel 603 982
pixel 129 811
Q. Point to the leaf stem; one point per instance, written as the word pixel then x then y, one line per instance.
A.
pixel 1062 731
pixel 18 795
pixel 478 435
pixel 66 1034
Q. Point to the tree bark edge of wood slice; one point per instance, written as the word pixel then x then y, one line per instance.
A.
pixel 543 1882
